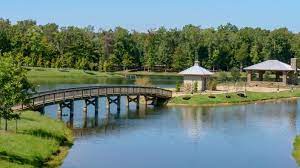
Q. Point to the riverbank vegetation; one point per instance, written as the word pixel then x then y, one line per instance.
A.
pixel 220 48
pixel 39 141
pixel 14 87
pixel 231 98
pixel 296 151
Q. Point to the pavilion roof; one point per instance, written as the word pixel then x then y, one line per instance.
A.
pixel 196 70
pixel 270 65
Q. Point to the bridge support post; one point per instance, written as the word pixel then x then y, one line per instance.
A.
pixel 85 120
pixel 71 107
pixel 41 109
pixel 90 101
pixel 67 104
pixel 107 104
pixel 153 100
pixel 96 106
pixel 116 101
pixel 134 99
pixel 118 104
pixel 138 102
pixel 59 111
pixel 85 106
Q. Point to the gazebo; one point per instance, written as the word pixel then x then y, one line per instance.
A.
pixel 285 74
pixel 194 74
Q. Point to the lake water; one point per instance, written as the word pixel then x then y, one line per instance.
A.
pixel 249 136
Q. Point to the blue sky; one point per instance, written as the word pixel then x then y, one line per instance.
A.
pixel 142 15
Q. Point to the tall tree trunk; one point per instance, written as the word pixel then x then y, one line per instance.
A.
pixel 5 124
pixel 16 125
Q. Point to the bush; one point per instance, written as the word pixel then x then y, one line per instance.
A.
pixel 177 89
pixel 236 74
pixel 195 87
pixel 212 84
pixel 212 96
pixel 187 87
pixel 143 81
pixel 222 77
pixel 186 97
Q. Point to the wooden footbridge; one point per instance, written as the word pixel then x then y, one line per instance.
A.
pixel 65 98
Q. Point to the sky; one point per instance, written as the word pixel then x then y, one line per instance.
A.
pixel 142 15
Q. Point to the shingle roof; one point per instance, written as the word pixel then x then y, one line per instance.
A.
pixel 270 65
pixel 196 70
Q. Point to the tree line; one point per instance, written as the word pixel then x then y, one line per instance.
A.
pixel 220 48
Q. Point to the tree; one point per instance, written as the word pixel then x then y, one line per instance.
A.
pixel 127 61
pixel 14 87
pixel 222 48
pixel 236 75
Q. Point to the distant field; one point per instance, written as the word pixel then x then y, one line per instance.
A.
pixel 39 142
pixel 69 73
pixel 55 72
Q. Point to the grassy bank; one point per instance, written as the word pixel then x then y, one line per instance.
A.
pixel 234 98
pixel 70 73
pixel 39 142
pixel 146 73
pixel 296 152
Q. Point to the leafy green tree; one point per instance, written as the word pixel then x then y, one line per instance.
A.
pixel 222 77
pixel 222 48
pixel 14 87
pixel 235 74
pixel 127 61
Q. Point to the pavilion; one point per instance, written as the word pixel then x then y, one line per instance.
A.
pixel 285 74
pixel 194 74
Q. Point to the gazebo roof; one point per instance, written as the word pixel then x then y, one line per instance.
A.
pixel 270 65
pixel 196 70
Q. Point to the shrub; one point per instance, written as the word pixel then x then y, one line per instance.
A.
pixel 186 97
pixel 212 84
pixel 222 77
pixel 187 87
pixel 195 87
pixel 177 89
pixel 212 96
pixel 143 81
pixel 236 74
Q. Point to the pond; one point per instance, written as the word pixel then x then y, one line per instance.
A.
pixel 252 135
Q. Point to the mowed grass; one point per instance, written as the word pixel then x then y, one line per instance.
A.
pixel 296 151
pixel 55 72
pixel 147 73
pixel 39 142
pixel 234 98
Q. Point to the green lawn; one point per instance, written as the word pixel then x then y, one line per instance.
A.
pixel 296 152
pixel 221 98
pixel 54 72
pixel 39 142
pixel 146 73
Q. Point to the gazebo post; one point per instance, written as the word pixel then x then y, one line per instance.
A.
pixel 284 77
pixel 277 76
pixel 260 75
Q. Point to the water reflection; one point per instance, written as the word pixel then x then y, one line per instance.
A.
pixel 230 136
pixel 66 82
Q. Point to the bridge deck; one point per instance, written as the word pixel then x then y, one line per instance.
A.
pixel 55 96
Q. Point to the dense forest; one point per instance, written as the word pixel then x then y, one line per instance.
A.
pixel 219 48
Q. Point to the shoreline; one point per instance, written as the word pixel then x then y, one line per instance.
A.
pixel 237 103
pixel 39 141
pixel 206 100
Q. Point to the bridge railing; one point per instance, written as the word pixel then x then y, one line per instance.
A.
pixel 83 92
